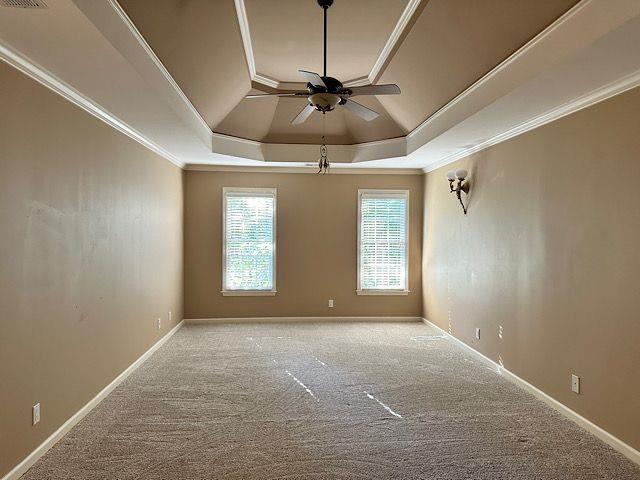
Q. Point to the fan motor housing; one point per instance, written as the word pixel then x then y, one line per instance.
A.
pixel 333 86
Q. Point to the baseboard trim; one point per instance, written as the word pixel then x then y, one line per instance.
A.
pixel 196 321
pixel 34 456
pixel 614 442
pixel 617 444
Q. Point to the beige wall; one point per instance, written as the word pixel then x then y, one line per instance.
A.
pixel 90 257
pixel 316 246
pixel 549 251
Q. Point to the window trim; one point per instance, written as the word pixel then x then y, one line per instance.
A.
pixel 256 192
pixel 380 193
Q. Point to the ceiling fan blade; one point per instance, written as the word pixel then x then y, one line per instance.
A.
pixel 280 94
pixel 388 89
pixel 313 78
pixel 303 115
pixel 360 110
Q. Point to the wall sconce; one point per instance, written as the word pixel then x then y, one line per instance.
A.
pixel 462 186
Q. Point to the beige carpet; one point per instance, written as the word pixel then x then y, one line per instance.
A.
pixel 323 401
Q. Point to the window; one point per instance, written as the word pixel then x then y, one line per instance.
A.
pixel 249 241
pixel 382 242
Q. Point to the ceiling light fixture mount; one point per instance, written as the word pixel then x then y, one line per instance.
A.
pixel 324 93
pixel 462 186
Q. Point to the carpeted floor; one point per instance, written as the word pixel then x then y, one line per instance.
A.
pixel 323 401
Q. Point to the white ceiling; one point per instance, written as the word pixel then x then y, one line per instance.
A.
pixel 91 53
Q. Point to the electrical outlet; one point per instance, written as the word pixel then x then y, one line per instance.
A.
pixel 575 383
pixel 35 413
pixel 169 316
pixel 478 333
pixel 500 332
pixel 331 303
pixel 159 323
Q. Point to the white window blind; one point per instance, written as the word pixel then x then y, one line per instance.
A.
pixel 249 240
pixel 383 238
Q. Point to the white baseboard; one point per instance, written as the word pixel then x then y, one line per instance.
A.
pixel 194 321
pixel 34 456
pixel 614 442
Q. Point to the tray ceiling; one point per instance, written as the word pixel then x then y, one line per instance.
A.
pixel 287 36
pixel 443 48
pixel 158 80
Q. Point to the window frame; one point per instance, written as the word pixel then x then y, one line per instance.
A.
pixel 382 193
pixel 257 192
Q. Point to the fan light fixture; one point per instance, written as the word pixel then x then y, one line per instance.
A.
pixel 324 93
pixel 462 186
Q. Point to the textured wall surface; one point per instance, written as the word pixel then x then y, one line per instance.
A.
pixel 549 254
pixel 316 255
pixel 90 257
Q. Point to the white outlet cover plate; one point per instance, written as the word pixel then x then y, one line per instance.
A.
pixel 36 413
pixel 575 383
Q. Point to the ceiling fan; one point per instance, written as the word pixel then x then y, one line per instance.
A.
pixel 326 93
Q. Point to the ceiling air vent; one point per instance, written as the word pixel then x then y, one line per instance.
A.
pixel 23 3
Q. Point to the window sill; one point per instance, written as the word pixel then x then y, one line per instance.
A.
pixel 248 293
pixel 382 292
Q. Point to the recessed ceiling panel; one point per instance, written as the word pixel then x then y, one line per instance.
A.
pixel 448 46
pixel 287 35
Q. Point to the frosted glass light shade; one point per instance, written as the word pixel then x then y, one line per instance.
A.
pixel 450 175
pixel 461 174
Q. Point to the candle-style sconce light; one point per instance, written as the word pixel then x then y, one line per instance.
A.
pixel 461 186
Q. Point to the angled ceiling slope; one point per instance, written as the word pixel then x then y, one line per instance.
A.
pixel 430 48
pixel 165 88
pixel 277 39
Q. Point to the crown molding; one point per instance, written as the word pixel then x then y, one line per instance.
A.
pixel 223 137
pixel 340 170
pixel 396 35
pixel 376 70
pixel 598 95
pixel 430 145
pixel 46 78
pixel 203 125
pixel 358 82
pixel 389 48
pixel 501 67
pixel 256 143
pixel 245 33
pixel 585 10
